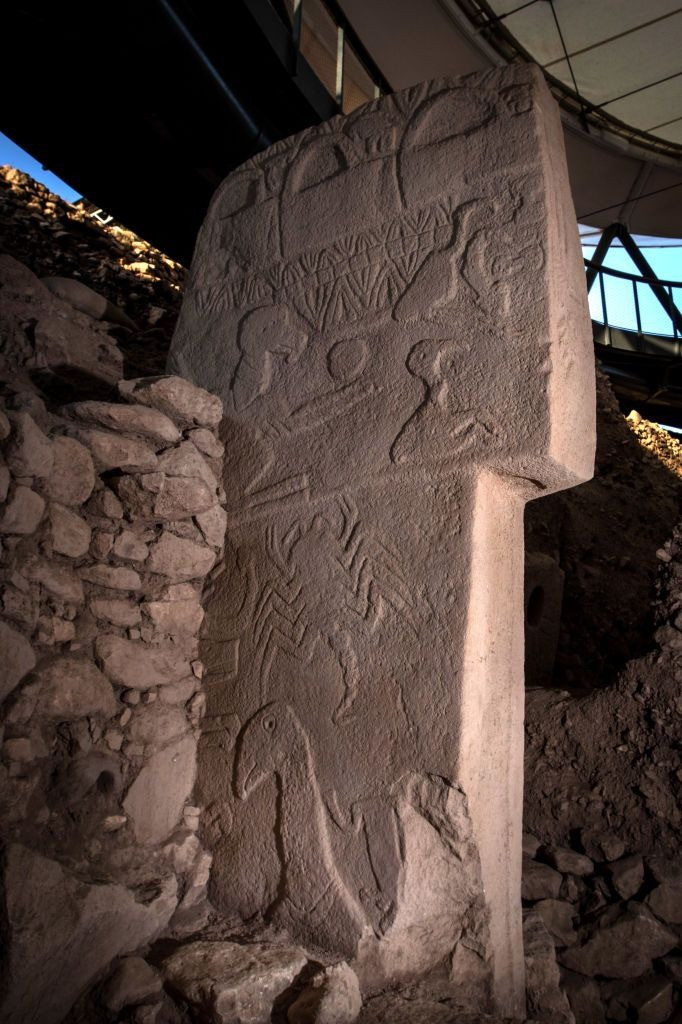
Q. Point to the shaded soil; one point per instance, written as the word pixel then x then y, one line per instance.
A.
pixel 605 534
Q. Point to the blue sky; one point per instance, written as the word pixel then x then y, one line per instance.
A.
pixel 12 154
pixel 665 259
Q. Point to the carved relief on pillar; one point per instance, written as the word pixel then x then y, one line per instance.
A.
pixel 392 308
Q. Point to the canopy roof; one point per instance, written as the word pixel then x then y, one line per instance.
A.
pixel 615 66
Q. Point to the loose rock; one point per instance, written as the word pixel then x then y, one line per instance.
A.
pixel 627 875
pixel 73 687
pixel 233 982
pixel 539 881
pixel 128 419
pixel 179 559
pixel 73 473
pixel 132 982
pixel 23 513
pixel 155 800
pixel 139 666
pixel 113 451
pixel 113 577
pixel 28 452
pixel 333 997
pixel 69 533
pixel 64 932
pixel 621 946
pixel 178 398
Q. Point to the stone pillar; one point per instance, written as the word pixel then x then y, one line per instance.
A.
pixel 393 308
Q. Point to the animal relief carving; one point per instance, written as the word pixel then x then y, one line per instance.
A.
pixel 313 900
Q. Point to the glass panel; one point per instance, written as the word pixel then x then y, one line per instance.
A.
pixel 620 302
pixel 655 320
pixel 319 42
pixel 596 310
pixel 677 299
pixel 358 87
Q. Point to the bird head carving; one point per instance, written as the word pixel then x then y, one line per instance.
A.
pixel 267 740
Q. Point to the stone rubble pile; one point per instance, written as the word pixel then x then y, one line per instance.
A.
pixel 111 519
pixel 55 238
pixel 616 920
pixel 603 811
pixel 656 440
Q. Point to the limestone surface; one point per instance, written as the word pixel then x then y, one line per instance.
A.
pixel 231 982
pixel 392 308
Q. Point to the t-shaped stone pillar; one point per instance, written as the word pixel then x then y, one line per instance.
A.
pixel 393 308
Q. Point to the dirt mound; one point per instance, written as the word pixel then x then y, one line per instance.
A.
pixel 604 535
pixel 610 760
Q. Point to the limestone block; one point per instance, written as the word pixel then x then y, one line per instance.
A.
pixel 154 725
pixel 392 308
pixel 132 982
pixel 69 533
pixel 213 525
pixel 116 610
pixel 207 442
pixel 23 512
pixel 177 397
pixel 185 460
pixel 557 917
pixel 155 800
pixel 601 846
pixel 333 997
pixel 545 999
pixel 140 666
pixel 584 998
pixel 126 419
pixel 539 881
pixel 28 452
pixel 105 504
pixel 73 474
pixel 113 451
pixel 73 687
pixel 666 902
pixel 129 547
pixel 56 579
pixel 4 480
pixel 567 861
pixel 231 982
pixel 179 559
pixel 63 932
pixel 627 875
pixel 87 301
pixel 182 617
pixel 114 577
pixel 182 497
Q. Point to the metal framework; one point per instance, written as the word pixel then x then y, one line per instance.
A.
pixel 660 288
pixel 490 26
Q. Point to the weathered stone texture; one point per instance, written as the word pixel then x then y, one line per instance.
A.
pixel 95 768
pixel 64 932
pixel 232 982
pixel 392 308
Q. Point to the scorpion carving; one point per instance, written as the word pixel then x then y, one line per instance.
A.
pixel 325 583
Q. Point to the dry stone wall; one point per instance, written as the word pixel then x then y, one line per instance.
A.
pixel 111 519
